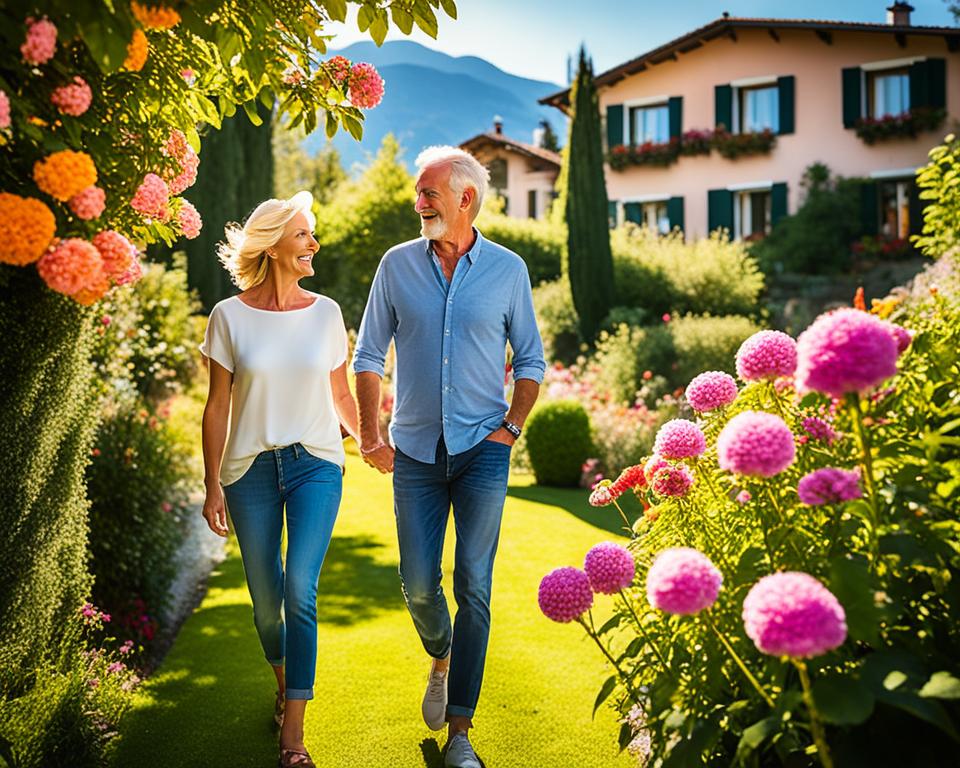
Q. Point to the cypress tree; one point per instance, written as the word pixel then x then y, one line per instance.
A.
pixel 589 262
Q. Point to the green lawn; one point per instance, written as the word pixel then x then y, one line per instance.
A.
pixel 210 703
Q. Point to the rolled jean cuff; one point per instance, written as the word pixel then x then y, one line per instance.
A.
pixel 299 693
pixel 455 711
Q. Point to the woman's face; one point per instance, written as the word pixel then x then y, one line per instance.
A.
pixel 295 250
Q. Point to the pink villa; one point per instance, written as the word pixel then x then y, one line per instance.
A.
pixel 715 129
pixel 522 174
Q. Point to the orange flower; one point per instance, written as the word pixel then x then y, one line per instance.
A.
pixel 155 17
pixel 63 174
pixel 74 265
pixel 858 300
pixel 26 228
pixel 136 52
pixel 93 292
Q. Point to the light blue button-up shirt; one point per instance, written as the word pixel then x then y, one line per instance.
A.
pixel 451 342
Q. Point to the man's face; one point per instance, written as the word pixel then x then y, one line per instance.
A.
pixel 437 204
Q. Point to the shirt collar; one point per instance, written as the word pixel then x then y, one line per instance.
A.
pixel 473 254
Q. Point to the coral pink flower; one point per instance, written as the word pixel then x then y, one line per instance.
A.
pixel 679 439
pixel 829 485
pixel 672 480
pixel 711 390
pixel 151 197
pixel 73 99
pixel 654 464
pixel 683 581
pixel 133 273
pixel 339 68
pixel 189 220
pixel 4 111
pixel 630 478
pixel 609 567
pixel 756 444
pixel 88 203
pixel 71 266
pixel 41 42
pixel 767 355
pixel 845 351
pixel 366 86
pixel 793 614
pixel 565 594
pixel 180 150
pixel 117 252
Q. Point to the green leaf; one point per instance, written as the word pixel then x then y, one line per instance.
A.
pixel 605 690
pixel 331 125
pixel 625 736
pixel 850 581
pixel 925 709
pixel 402 18
pixel 379 27
pixel 250 107
pixel 941 685
pixel 353 126
pixel 449 8
pixel 611 623
pixel 364 18
pixel 843 700
pixel 756 734
pixel 336 9
pixel 426 20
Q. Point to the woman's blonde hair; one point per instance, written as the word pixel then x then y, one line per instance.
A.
pixel 244 254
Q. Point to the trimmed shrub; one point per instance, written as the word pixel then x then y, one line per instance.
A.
pixel 557 320
pixel 704 343
pixel 47 419
pixel 558 442
pixel 537 241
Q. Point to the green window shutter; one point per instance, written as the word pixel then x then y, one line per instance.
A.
pixel 723 106
pixel 778 203
pixel 917 207
pixel 612 214
pixel 614 125
pixel 632 212
pixel 787 98
pixel 675 213
pixel 720 209
pixel 675 105
pixel 852 98
pixel 869 208
pixel 919 84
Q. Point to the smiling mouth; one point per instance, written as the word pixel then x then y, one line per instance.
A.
pixel 428 216
pixel 305 259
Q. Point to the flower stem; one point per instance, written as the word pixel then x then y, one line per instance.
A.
pixel 626 522
pixel 819 738
pixel 853 402
pixel 620 673
pixel 653 646
pixel 736 657
pixel 774 395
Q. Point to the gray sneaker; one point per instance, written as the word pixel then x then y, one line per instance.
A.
pixel 460 753
pixel 434 707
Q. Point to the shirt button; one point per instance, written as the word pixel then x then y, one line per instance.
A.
pixel 446 332
pixel 446 360
pixel 449 301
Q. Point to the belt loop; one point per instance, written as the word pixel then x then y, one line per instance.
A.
pixel 296 450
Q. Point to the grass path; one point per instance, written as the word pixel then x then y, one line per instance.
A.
pixel 210 703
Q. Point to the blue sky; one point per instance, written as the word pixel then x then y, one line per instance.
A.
pixel 532 38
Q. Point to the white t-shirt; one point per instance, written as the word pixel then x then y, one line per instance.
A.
pixel 281 364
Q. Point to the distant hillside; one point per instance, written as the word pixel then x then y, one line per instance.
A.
pixel 433 98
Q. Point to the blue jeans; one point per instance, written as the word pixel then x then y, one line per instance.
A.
pixel 285 604
pixel 475 482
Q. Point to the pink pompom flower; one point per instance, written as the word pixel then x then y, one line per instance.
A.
pixel 186 156
pixel 565 594
pixel 767 355
pixel 673 480
pixel 71 266
pixel 41 42
pixel 679 439
pixel 4 111
pixel 117 252
pixel 829 485
pixel 711 390
pixel 654 464
pixel 901 336
pixel 843 351
pixel 601 495
pixel 151 197
pixel 683 581
pixel 88 203
pixel 73 99
pixel 189 220
pixel 756 444
pixel 819 429
pixel 366 86
pixel 609 567
pixel 793 614
pixel 744 497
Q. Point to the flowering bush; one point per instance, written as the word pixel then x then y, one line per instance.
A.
pixel 803 577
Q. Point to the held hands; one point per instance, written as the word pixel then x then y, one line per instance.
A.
pixel 215 511
pixel 379 456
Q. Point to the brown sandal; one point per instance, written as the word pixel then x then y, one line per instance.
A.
pixel 292 758
pixel 278 707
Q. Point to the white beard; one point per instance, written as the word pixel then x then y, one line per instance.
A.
pixel 433 229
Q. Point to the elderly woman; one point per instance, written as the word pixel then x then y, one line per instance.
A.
pixel 277 359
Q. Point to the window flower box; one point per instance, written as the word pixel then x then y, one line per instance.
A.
pixel 696 142
pixel 734 145
pixel 905 125
pixel 648 153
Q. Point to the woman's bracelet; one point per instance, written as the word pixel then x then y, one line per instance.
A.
pixel 366 451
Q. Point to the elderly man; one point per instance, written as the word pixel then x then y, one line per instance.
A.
pixel 451 300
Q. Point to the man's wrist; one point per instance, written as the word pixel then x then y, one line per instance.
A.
pixel 512 427
pixel 369 447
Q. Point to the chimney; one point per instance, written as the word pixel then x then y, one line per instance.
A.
pixel 498 125
pixel 898 14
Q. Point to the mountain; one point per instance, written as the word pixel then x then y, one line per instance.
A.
pixel 433 98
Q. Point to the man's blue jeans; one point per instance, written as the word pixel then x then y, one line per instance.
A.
pixel 475 482
pixel 285 604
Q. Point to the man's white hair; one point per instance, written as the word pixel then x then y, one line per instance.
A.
pixel 465 171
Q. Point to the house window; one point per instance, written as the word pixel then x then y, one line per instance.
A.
pixel 759 108
pixel 498 174
pixel 894 197
pixel 532 204
pixel 751 214
pixel 650 123
pixel 655 218
pixel 888 92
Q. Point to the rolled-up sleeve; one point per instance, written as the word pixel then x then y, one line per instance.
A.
pixel 216 340
pixel 376 328
pixel 523 334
